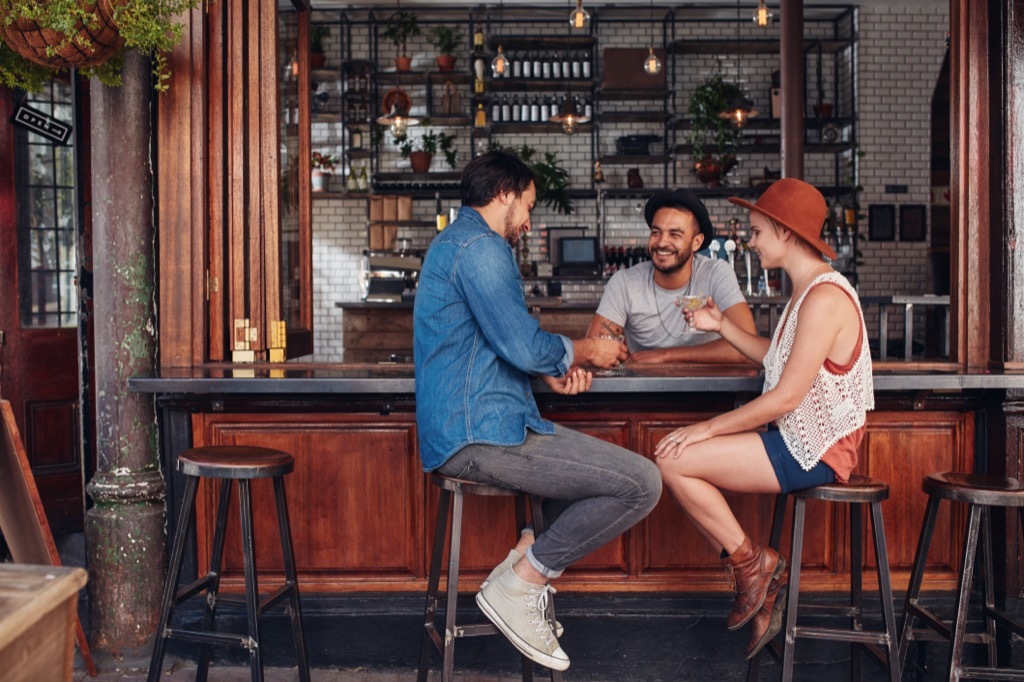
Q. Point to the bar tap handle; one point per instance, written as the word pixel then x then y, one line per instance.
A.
pixel 750 273
pixel 730 251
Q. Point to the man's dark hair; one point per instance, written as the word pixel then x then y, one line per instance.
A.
pixel 492 174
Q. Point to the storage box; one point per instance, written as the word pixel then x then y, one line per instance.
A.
pixel 404 208
pixel 390 208
pixel 376 208
pixel 38 605
pixel 376 237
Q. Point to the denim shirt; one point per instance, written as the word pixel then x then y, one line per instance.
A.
pixel 476 346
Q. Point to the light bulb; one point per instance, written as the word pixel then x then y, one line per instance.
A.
pixel 399 126
pixel 652 65
pixel 499 65
pixel 762 15
pixel 579 18
pixel 570 125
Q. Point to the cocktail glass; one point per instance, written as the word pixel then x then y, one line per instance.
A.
pixel 690 303
pixel 619 369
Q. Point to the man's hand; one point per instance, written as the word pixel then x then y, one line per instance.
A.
pixel 576 380
pixel 602 353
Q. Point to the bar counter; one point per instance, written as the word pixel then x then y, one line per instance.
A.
pixel 362 509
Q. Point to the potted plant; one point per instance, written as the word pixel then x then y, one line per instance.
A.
pixel 40 38
pixel 317 55
pixel 421 150
pixel 713 138
pixel 446 40
pixel 323 166
pixel 549 177
pixel 398 28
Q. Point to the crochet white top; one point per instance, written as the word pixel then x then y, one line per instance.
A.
pixel 836 404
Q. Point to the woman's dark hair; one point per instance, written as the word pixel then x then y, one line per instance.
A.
pixel 493 174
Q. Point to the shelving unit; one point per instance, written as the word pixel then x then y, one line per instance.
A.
pixel 684 35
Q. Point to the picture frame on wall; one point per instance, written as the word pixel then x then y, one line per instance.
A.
pixel 881 222
pixel 913 222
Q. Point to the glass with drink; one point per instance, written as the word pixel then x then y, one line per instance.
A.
pixel 690 303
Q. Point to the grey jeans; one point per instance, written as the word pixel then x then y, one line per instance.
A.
pixel 592 490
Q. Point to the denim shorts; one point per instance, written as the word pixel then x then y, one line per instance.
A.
pixel 789 472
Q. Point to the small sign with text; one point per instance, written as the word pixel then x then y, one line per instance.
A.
pixel 43 124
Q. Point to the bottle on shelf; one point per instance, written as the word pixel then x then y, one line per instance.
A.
pixel 535 110
pixel 356 139
pixel 480 118
pixel 478 38
pixel 556 67
pixel 527 66
pixel 538 67
pixel 352 183
pixel 586 65
pixel 506 112
pixel 516 109
pixel 495 110
pixel 363 181
pixel 577 67
pixel 440 217
pixel 524 110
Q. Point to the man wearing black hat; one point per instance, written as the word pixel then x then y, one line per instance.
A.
pixel 643 301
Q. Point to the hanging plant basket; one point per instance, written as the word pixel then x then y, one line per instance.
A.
pixel 85 45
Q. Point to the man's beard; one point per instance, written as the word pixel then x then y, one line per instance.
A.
pixel 512 231
pixel 678 264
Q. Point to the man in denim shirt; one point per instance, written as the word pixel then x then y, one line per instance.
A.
pixel 476 347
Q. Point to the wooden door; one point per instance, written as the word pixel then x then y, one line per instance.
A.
pixel 40 239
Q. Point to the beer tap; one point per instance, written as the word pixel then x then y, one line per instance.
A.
pixel 730 251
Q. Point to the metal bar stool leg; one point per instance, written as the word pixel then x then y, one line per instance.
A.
pixel 856 587
pixel 988 589
pixel 917 577
pixel 795 557
pixel 252 593
pixel 291 575
pixel 216 559
pixel 452 589
pixel 539 526
pixel 537 523
pixel 173 574
pixel 430 612
pixel 885 591
pixel 774 541
pixel 964 591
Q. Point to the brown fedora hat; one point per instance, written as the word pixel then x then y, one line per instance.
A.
pixel 797 206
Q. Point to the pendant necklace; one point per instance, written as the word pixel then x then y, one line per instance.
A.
pixel 686 292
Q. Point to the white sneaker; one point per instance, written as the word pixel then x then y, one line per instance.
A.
pixel 510 561
pixel 519 609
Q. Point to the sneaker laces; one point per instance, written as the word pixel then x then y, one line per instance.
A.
pixel 537 599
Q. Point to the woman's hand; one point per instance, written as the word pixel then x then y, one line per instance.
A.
pixel 677 441
pixel 707 318
pixel 576 380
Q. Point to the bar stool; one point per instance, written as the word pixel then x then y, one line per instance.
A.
pixel 980 492
pixel 859 491
pixel 451 492
pixel 243 464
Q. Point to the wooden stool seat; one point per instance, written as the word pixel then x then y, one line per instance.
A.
pixel 235 461
pixel 882 644
pixel 860 489
pixel 985 489
pixel 241 464
pixel 451 493
pixel 980 492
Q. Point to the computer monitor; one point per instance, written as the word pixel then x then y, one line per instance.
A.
pixel 578 256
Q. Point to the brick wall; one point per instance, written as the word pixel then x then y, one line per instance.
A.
pixel 899 55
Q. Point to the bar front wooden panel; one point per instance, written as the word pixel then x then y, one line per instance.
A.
pixel 362 510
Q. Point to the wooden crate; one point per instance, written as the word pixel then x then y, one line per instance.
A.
pixel 38 608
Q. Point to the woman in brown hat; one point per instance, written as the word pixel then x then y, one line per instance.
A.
pixel 817 389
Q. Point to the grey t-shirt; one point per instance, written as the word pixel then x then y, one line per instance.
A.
pixel 649 314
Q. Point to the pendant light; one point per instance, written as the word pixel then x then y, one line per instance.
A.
pixel 738 109
pixel 499 65
pixel 652 65
pixel 396 104
pixel 569 116
pixel 762 15
pixel 579 18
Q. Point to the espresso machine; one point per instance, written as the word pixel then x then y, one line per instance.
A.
pixel 389 276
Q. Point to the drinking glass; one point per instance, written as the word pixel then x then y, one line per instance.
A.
pixel 691 302
pixel 619 369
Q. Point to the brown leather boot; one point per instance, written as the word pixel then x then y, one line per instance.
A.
pixel 767 622
pixel 753 569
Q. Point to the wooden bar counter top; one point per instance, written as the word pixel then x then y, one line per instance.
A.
pixel 362 508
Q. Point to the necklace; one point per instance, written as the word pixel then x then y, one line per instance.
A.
pixel 686 292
